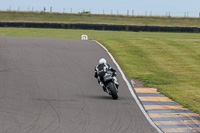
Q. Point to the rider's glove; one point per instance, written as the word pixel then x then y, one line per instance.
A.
pixel 112 69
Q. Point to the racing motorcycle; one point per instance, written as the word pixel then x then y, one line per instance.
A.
pixel 111 84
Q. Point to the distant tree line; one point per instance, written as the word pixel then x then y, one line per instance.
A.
pixel 100 27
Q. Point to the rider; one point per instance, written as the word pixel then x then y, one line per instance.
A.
pixel 100 71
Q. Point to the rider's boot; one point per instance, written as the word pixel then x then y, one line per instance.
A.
pixel 103 86
pixel 115 81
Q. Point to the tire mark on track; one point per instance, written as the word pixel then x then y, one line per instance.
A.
pixel 109 126
pixel 58 116
pixel 80 114
pixel 34 124
pixel 87 115
pixel 53 108
pixel 106 123
pixel 131 120
pixel 114 121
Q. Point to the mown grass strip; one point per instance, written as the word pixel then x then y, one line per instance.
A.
pixel 98 19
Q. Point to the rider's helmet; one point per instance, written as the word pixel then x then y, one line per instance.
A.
pixel 102 61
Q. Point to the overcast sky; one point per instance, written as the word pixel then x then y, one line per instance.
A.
pixel 157 7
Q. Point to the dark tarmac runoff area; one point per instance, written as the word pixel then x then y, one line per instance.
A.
pixel 48 86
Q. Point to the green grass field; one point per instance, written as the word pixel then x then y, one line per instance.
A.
pixel 167 61
pixel 98 19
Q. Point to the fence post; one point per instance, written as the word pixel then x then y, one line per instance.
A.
pixel 127 12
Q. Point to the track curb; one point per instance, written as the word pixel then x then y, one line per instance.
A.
pixel 168 115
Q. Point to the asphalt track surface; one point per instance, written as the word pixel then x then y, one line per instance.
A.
pixel 47 86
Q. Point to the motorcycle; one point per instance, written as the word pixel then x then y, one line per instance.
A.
pixel 111 84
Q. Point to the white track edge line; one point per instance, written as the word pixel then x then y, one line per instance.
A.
pixel 130 88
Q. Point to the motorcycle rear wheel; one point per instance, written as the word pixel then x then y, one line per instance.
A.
pixel 113 90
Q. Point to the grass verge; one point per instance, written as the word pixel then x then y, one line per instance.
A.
pixel 167 61
pixel 98 19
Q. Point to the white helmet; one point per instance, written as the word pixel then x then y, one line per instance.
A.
pixel 102 61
